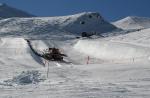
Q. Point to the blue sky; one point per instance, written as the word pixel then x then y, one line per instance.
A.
pixel 110 9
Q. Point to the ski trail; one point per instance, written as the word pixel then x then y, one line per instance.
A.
pixel 35 52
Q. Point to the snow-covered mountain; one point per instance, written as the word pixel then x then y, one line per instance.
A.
pixel 133 22
pixel 110 67
pixel 8 11
pixel 74 24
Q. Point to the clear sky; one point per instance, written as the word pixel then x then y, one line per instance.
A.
pixel 110 9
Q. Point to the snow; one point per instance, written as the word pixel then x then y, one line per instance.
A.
pixel 104 79
pixel 111 50
pixel 138 37
pixel 118 65
pixel 133 22
pixel 25 78
pixel 47 27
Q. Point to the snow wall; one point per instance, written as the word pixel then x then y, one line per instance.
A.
pixel 111 50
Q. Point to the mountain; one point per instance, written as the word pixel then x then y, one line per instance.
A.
pixel 48 26
pixel 133 22
pixel 7 12
pixel 110 67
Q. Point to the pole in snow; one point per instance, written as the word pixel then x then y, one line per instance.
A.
pixel 88 59
pixel 47 69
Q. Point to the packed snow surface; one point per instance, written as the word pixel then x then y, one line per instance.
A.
pixel 28 77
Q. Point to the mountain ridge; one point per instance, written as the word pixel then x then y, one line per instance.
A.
pixel 74 24
pixel 133 22
pixel 7 11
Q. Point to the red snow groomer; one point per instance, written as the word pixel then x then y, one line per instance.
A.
pixel 54 54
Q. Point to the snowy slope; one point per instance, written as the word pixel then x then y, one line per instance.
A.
pixel 133 22
pixel 105 79
pixel 127 46
pixel 8 11
pixel 141 37
pixel 111 50
pixel 112 71
pixel 16 56
pixel 52 26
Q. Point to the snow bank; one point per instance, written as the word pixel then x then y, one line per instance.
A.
pixel 111 50
pixel 28 77
pixel 13 46
pixel 16 51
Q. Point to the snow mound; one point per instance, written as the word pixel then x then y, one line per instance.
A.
pixel 14 47
pixel 111 50
pixel 17 51
pixel 133 22
pixel 55 26
pixel 28 77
